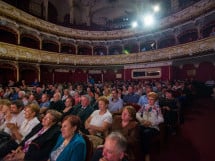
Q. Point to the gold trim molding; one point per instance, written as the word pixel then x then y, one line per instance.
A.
pixel 19 53
pixel 21 17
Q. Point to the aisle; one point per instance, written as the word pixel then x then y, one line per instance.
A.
pixel 196 141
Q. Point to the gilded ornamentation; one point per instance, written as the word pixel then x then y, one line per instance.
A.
pixel 26 19
pixel 14 52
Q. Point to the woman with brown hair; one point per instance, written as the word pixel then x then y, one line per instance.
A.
pixel 100 120
pixel 127 125
pixel 70 145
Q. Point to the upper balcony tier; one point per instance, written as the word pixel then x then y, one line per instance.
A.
pixel 22 19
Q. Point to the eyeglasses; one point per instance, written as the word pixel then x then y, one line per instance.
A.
pixel 47 118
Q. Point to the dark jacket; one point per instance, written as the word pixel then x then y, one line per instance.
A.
pixel 41 146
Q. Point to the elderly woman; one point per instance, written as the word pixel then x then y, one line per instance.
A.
pixel 31 112
pixel 128 126
pixel 149 117
pixel 70 145
pixel 38 144
pixel 100 120
pixel 18 134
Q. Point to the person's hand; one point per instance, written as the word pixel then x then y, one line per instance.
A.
pixel 146 123
pixel 12 126
pixel 166 108
pixel 103 159
pixel 19 156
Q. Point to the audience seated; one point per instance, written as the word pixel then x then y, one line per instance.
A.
pixel 127 125
pixel 18 134
pixel 83 110
pixel 99 122
pixel 69 109
pixel 38 144
pixel 131 97
pixel 90 113
pixel 113 150
pixel 170 109
pixel 57 103
pixel 70 144
pixel 115 102
pixel 149 117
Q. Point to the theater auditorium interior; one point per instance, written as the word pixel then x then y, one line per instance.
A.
pixel 95 47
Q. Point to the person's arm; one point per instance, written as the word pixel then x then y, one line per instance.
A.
pixel 105 126
pixel 87 122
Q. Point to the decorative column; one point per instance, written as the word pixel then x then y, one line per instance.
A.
pixel 59 49
pixel 45 9
pixel 17 71
pixel 38 70
pixel 71 12
pixel 176 32
pixel 107 50
pixel 18 38
pixel 138 44
pixel 156 44
pixel 76 49
pixel 92 50
pixel 123 48
pixel 199 25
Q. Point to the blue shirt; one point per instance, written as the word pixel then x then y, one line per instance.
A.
pixel 131 98
pixel 75 150
pixel 115 105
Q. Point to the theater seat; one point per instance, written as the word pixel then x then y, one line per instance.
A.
pixel 89 145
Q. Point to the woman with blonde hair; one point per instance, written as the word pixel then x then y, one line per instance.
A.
pixel 19 133
pixel 38 144
pixel 149 117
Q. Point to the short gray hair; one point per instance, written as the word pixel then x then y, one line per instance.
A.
pixel 121 141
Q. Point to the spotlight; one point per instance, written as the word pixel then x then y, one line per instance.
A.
pixel 134 24
pixel 156 8
pixel 148 20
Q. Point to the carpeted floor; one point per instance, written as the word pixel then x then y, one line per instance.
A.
pixel 196 139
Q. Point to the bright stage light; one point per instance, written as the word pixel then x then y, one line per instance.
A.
pixel 134 24
pixel 148 20
pixel 156 8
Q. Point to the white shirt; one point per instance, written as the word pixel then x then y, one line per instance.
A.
pixel 27 126
pixel 152 115
pixel 97 119
pixel 19 118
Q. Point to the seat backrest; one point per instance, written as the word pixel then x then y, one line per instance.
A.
pixel 89 145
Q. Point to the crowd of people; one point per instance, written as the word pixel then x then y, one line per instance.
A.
pixel 47 122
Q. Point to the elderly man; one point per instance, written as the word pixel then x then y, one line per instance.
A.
pixel 83 110
pixel 57 103
pixel 113 150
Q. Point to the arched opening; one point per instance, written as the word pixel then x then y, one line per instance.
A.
pixel 29 41
pixel 50 46
pixel 8 35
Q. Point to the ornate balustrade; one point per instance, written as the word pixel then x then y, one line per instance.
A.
pixel 19 53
